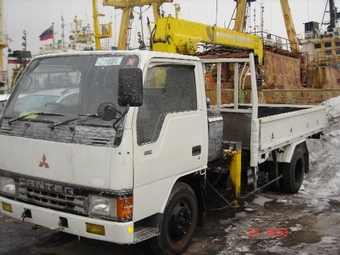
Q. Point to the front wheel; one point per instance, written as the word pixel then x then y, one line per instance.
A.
pixel 293 172
pixel 178 222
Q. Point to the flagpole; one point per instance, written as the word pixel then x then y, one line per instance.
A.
pixel 53 35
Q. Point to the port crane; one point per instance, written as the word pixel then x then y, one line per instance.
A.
pixel 126 7
pixel 175 35
pixel 101 31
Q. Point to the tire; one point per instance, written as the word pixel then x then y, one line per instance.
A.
pixel 293 172
pixel 178 223
pixel 275 186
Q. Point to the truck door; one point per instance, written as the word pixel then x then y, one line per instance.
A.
pixel 171 132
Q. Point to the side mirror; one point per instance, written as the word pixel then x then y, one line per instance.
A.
pixel 130 87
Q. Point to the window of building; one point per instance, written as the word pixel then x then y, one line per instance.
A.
pixel 328 44
pixel 317 46
pixel 328 52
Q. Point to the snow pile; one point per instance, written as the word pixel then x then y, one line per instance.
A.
pixel 333 113
pixel 322 183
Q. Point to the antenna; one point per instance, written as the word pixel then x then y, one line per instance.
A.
pixel 63 32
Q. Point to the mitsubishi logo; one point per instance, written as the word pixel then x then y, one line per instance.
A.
pixel 43 163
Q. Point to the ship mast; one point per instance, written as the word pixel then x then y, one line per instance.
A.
pixel 333 16
pixel 3 45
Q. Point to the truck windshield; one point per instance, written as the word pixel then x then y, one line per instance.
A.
pixel 64 87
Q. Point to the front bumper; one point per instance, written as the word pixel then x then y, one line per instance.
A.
pixel 116 232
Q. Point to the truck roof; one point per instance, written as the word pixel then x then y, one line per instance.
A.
pixel 142 53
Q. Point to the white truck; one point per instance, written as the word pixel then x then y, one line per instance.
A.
pixel 120 146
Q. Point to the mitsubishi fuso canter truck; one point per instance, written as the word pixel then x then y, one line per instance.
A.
pixel 120 146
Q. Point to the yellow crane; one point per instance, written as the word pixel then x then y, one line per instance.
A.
pixel 290 28
pixel 126 7
pixel 241 9
pixel 101 31
pixel 182 36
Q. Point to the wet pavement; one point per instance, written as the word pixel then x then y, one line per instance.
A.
pixel 266 223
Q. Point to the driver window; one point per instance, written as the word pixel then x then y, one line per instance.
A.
pixel 167 89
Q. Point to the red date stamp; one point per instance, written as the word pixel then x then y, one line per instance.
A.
pixel 270 232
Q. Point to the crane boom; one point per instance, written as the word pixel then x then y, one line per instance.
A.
pixel 291 33
pixel 240 15
pixel 241 9
pixel 181 36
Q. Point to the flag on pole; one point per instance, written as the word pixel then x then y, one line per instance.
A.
pixel 47 34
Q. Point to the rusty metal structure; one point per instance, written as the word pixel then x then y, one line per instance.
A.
pixel 293 71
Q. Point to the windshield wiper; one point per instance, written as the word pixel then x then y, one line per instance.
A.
pixel 34 113
pixel 74 119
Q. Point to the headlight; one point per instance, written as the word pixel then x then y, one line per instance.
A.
pixel 120 208
pixel 7 185
pixel 102 206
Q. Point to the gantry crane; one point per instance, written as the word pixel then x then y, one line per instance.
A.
pixel 126 6
pixel 100 31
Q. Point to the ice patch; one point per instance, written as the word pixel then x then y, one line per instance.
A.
pixel 328 239
pixel 260 200
pixel 297 227
pixel 241 215
pixel 285 201
pixel 249 209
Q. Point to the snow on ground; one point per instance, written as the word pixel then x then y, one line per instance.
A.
pixel 322 183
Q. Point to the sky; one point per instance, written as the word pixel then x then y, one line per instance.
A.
pixel 34 16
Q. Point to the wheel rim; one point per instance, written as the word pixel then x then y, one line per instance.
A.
pixel 180 220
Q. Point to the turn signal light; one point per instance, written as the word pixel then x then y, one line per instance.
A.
pixel 124 208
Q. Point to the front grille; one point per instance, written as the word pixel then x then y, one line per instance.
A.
pixel 54 200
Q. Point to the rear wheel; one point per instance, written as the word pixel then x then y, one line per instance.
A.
pixel 277 185
pixel 293 172
pixel 178 223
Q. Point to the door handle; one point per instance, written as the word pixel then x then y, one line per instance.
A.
pixel 196 150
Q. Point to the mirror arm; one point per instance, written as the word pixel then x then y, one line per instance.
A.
pixel 121 117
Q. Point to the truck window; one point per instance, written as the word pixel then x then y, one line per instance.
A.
pixel 167 89
pixel 69 85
